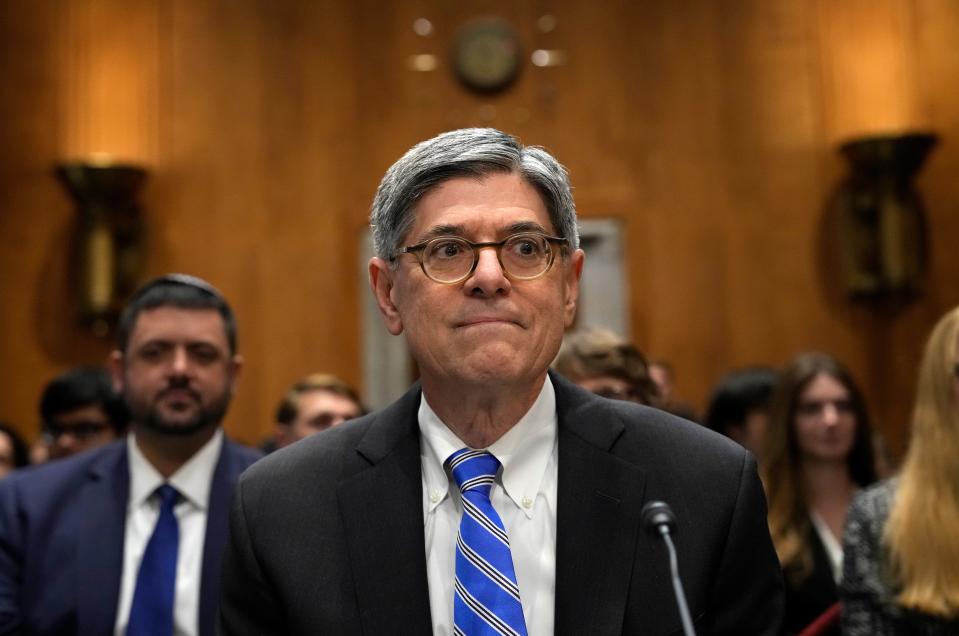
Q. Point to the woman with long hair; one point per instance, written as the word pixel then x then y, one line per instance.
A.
pixel 901 574
pixel 818 455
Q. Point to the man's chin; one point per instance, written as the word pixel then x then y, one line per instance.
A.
pixel 178 426
pixel 493 372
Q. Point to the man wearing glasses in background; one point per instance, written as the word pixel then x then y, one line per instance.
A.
pixel 495 497
pixel 79 410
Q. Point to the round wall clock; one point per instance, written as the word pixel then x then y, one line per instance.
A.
pixel 487 54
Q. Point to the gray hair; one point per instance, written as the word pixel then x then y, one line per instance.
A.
pixel 469 152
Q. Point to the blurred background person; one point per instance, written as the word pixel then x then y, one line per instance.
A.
pixel 882 456
pixel 80 410
pixel 739 407
pixel 818 454
pixel 313 404
pixel 663 376
pixel 602 362
pixel 127 538
pixel 39 450
pixel 901 572
pixel 13 450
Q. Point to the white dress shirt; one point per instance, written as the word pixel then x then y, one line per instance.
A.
pixel 192 481
pixel 830 543
pixel 524 496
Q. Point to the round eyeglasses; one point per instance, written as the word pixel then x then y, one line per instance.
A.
pixel 82 431
pixel 451 259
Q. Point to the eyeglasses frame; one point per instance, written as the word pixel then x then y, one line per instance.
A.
pixel 418 249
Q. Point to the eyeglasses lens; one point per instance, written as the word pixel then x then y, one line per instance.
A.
pixel 523 256
pixel 81 430
pixel 448 259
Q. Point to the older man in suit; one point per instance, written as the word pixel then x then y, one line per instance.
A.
pixel 494 497
pixel 129 538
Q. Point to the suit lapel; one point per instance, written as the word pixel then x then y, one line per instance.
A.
pixel 217 528
pixel 100 542
pixel 382 505
pixel 598 514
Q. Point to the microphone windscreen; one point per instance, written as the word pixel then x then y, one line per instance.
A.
pixel 656 514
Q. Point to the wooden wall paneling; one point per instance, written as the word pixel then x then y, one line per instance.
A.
pixel 108 73
pixel 683 197
pixel 276 80
pixel 603 95
pixel 873 83
pixel 582 112
pixel 938 29
pixel 46 51
pixel 709 127
pixel 645 144
pixel 207 218
pixel 869 67
pixel 306 321
pixel 937 66
pixel 780 176
pixel 34 214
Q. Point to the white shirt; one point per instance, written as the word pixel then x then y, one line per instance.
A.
pixel 830 543
pixel 524 496
pixel 193 481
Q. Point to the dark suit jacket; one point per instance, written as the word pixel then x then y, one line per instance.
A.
pixel 61 541
pixel 327 535
pixel 808 599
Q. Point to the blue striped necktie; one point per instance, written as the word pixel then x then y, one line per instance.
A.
pixel 486 597
pixel 151 613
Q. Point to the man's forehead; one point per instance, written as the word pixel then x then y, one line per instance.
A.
pixel 181 323
pixel 323 396
pixel 465 229
pixel 502 203
pixel 460 189
pixel 314 393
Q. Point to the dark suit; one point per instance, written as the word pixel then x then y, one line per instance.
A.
pixel 807 599
pixel 327 536
pixel 62 530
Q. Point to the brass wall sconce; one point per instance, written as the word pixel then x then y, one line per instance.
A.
pixel 109 254
pixel 882 228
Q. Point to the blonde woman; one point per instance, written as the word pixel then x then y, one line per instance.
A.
pixel 818 455
pixel 901 574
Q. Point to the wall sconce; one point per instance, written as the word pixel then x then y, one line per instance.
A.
pixel 109 255
pixel 882 229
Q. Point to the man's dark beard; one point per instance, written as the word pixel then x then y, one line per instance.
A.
pixel 206 417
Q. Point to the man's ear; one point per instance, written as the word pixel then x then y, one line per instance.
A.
pixel 115 365
pixel 236 367
pixel 574 272
pixel 381 282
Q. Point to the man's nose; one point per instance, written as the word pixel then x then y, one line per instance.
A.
pixel 66 440
pixel 488 276
pixel 180 361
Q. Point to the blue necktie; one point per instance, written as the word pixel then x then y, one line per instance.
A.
pixel 486 597
pixel 151 613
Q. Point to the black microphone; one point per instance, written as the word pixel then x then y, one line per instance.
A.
pixel 659 521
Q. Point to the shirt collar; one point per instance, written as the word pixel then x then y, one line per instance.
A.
pixel 192 480
pixel 524 451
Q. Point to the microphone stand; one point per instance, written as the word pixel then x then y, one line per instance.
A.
pixel 659 520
